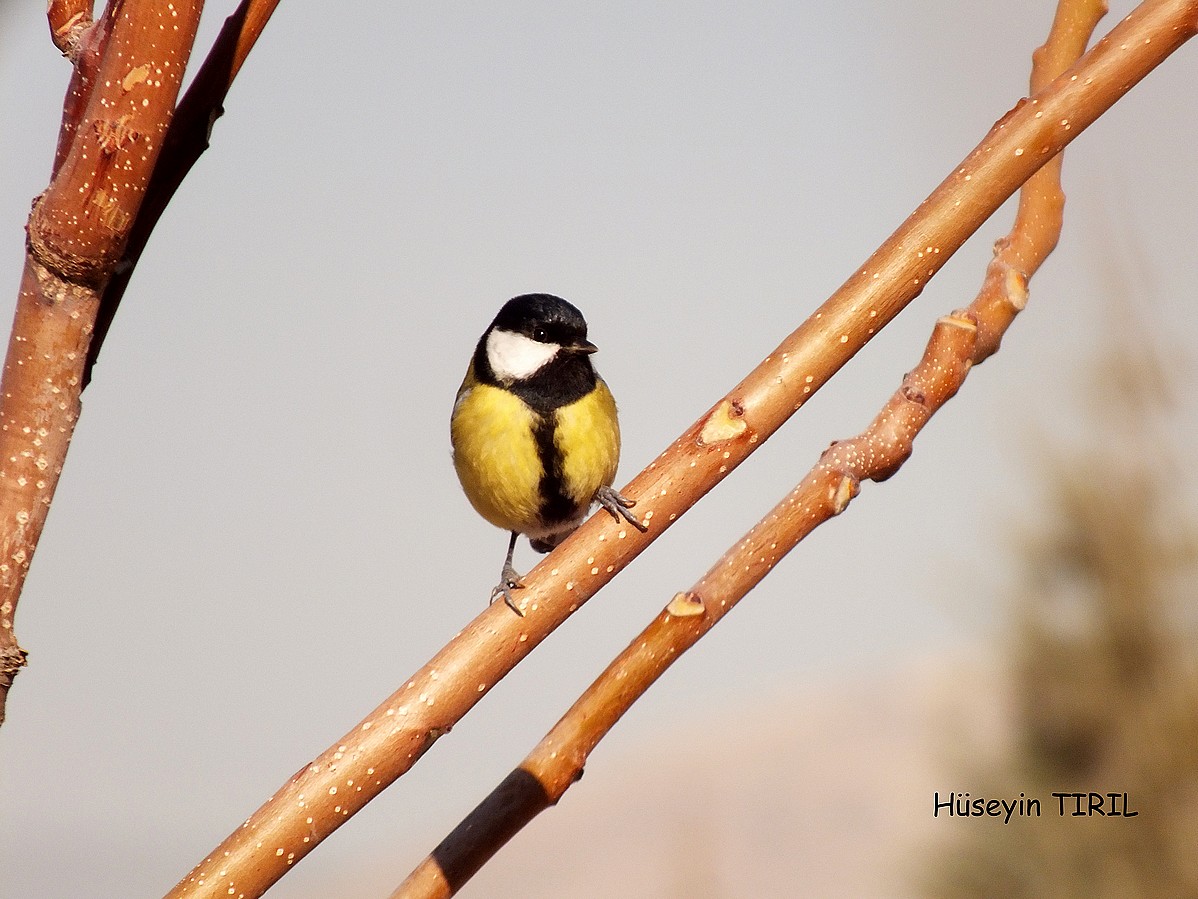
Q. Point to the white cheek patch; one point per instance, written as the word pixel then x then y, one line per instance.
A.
pixel 514 357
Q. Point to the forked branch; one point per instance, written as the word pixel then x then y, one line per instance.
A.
pixel 186 141
pixel 122 151
pixel 128 66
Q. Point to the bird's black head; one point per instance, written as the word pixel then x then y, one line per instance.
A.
pixel 543 318
pixel 537 347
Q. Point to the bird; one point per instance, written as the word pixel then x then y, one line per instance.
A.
pixel 534 429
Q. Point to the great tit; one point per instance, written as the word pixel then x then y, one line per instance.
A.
pixel 534 430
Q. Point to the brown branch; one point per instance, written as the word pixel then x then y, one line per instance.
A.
pixel 76 233
pixel 186 140
pixel 955 346
pixel 79 226
pixel 339 782
pixel 86 42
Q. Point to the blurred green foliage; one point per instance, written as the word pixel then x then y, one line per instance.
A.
pixel 1102 658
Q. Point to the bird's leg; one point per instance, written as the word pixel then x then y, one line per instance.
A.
pixel 618 505
pixel 509 579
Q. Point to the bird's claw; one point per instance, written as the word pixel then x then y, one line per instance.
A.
pixel 509 580
pixel 618 505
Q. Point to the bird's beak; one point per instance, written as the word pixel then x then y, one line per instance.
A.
pixel 582 346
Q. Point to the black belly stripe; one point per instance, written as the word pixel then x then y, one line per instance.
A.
pixel 566 379
pixel 556 505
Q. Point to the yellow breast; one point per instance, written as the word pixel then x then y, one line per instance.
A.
pixel 588 441
pixel 503 469
pixel 496 456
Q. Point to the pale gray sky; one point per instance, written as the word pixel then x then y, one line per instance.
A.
pixel 259 534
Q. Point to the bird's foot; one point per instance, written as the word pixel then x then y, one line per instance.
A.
pixel 509 580
pixel 618 505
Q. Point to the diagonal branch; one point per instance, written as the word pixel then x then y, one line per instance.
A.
pixel 339 782
pixel 958 342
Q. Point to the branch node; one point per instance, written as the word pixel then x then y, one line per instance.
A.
pixel 686 605
pixel 960 318
pixel 911 391
pixel 1015 288
pixel 68 33
pixel 843 493
pixel 726 422
pixel 69 268
pixel 12 660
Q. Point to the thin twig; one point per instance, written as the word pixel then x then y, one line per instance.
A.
pixel 339 782
pixel 955 346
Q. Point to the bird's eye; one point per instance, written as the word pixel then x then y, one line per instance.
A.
pixel 539 335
